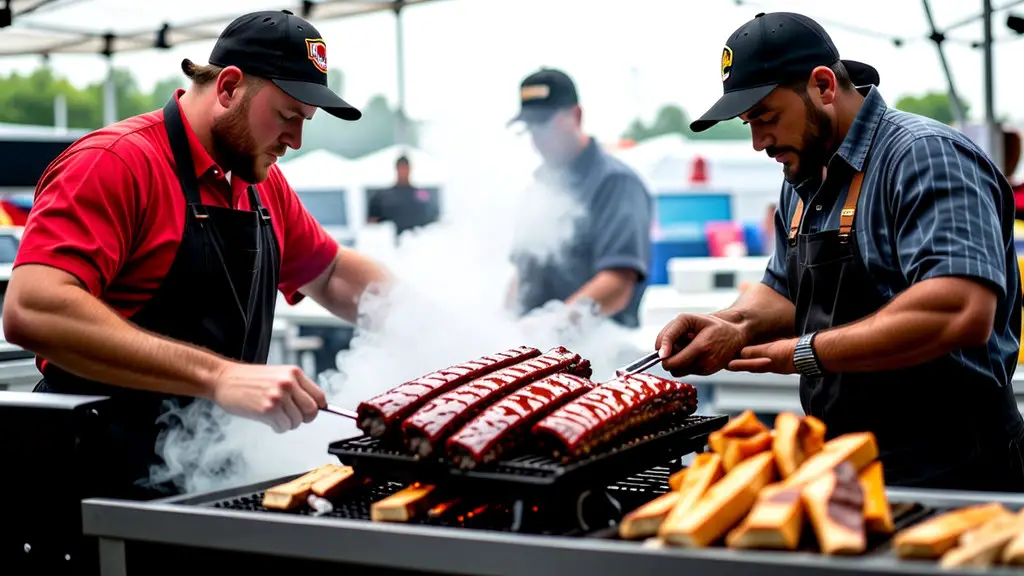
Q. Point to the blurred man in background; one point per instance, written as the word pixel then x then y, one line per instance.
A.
pixel 404 204
pixel 606 255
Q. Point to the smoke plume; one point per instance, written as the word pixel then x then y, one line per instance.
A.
pixel 449 307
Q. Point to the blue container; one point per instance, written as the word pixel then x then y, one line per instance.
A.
pixel 680 219
pixel 755 240
pixel 665 250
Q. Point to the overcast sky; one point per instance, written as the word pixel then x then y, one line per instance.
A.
pixel 465 58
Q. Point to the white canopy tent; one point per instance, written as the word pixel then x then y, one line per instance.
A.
pixel 319 170
pixel 46 27
pixel 74 26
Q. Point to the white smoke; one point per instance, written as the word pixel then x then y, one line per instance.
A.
pixel 448 308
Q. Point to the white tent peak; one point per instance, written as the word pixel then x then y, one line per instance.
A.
pixel 319 170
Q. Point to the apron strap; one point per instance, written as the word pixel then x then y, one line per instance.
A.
pixel 850 208
pixel 178 138
pixel 254 199
pixel 845 217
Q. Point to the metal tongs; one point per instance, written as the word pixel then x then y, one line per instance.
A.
pixel 339 411
pixel 641 365
pixel 324 382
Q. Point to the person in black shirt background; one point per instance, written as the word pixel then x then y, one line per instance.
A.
pixel 407 206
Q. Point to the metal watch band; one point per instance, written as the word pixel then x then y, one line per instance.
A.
pixel 804 359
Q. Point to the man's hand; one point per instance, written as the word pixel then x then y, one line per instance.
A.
pixel 775 357
pixel 281 396
pixel 698 344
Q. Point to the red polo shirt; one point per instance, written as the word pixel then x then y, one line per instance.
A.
pixel 111 212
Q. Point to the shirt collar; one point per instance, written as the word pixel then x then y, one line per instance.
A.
pixel 201 159
pixel 574 172
pixel 857 144
pixel 585 161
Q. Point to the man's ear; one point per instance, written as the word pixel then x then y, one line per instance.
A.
pixel 229 83
pixel 823 81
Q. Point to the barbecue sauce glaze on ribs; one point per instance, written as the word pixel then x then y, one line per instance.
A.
pixel 384 413
pixel 503 424
pixel 427 430
pixel 611 408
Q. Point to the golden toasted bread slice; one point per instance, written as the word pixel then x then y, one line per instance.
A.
pixel 405 504
pixel 857 448
pixel 877 511
pixel 294 493
pixel 1013 553
pixel 740 438
pixel 796 439
pixel 776 519
pixel 702 474
pixel 775 522
pixel 983 546
pixel 835 506
pixel 723 505
pixel 937 535
pixel 645 520
pixel 337 480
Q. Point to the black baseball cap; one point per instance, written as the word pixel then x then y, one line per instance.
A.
pixel 287 50
pixel 770 50
pixel 544 93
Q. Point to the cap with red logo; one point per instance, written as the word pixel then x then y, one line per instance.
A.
pixel 286 50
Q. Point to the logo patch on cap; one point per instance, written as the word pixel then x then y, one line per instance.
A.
pixel 316 51
pixel 536 92
pixel 726 63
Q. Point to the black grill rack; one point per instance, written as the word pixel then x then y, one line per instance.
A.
pixel 647 446
pixel 587 512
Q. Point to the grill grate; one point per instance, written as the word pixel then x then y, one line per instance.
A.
pixel 355 504
pixel 563 516
pixel 664 439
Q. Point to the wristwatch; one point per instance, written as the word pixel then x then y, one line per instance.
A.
pixel 804 358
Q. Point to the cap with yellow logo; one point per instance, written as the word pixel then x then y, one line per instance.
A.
pixel 544 93
pixel 770 50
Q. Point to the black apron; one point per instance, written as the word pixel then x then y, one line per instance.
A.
pixel 219 294
pixel 937 425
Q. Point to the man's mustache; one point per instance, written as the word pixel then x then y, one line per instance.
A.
pixel 775 151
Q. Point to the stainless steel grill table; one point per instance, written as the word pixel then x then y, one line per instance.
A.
pixel 190 533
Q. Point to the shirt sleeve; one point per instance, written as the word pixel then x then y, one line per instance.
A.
pixel 307 248
pixel 373 206
pixel 775 276
pixel 947 205
pixel 83 218
pixel 622 225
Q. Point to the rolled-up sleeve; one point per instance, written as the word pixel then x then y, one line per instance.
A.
pixel 622 225
pixel 946 213
pixel 775 274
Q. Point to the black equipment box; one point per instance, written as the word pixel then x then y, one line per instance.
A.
pixel 47 443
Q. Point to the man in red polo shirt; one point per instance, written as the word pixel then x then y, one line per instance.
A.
pixel 153 254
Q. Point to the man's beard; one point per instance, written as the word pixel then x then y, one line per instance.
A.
pixel 814 151
pixel 235 147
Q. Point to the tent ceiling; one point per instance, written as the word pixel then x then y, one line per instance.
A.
pixel 92 27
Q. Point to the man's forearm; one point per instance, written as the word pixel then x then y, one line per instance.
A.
pixel 609 289
pixel 762 313
pixel 921 324
pixel 341 286
pixel 70 328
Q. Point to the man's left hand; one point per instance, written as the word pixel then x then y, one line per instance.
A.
pixel 775 357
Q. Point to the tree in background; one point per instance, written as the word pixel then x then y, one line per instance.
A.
pixel 935 105
pixel 374 131
pixel 672 119
pixel 29 99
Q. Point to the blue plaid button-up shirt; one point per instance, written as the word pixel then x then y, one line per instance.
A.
pixel 932 204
